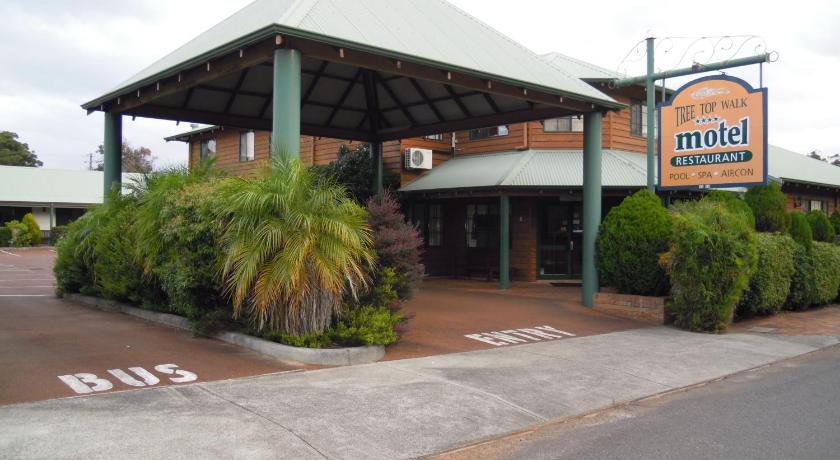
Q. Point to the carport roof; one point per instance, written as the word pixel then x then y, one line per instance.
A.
pixel 39 186
pixel 431 31
pixel 788 166
pixel 530 169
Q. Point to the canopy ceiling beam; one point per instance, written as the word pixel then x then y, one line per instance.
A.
pixel 236 90
pixel 425 97
pixel 517 116
pixel 396 99
pixel 343 97
pixel 244 122
pixel 458 101
pixel 316 77
pixel 207 72
pixel 372 102
pixel 492 103
pixel 350 57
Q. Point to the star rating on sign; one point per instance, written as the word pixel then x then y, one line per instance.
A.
pixel 707 120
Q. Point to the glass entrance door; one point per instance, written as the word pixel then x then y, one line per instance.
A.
pixel 560 241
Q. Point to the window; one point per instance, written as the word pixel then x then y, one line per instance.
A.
pixel 484 133
pixel 817 205
pixel 246 146
pixel 563 125
pixel 638 120
pixel 434 137
pixel 482 226
pixel 428 218
pixel 208 149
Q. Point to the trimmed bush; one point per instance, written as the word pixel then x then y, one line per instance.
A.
pixel 34 229
pixel 397 244
pixel 821 228
pixel 630 241
pixel 770 285
pixel 711 258
pixel 21 236
pixel 803 288
pixel 57 233
pixel 733 202
pixel 769 206
pixel 73 265
pixel 835 221
pixel 800 230
pixel 826 272
pixel 5 236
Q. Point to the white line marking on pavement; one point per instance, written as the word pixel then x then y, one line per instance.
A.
pixel 15 280
pixel 25 295
pixel 23 287
pixel 9 253
pixel 525 335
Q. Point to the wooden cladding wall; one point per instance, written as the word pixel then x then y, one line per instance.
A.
pixel 799 198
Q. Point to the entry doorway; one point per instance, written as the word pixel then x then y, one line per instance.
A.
pixel 560 241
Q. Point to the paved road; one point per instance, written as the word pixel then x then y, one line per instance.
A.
pixel 43 338
pixel 788 410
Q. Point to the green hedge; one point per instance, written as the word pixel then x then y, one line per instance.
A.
pixel 711 258
pixel 5 236
pixel 821 227
pixel 835 221
pixel 826 272
pixel 732 202
pixel 769 206
pixel 630 242
pixel 803 288
pixel 34 229
pixel 770 285
pixel 57 233
pixel 800 230
pixel 21 236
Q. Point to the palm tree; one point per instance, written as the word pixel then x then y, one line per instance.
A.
pixel 293 245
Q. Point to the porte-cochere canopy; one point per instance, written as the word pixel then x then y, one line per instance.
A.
pixel 369 70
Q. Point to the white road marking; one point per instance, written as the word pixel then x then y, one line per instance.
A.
pixel 25 295
pixel 15 280
pixel 33 286
pixel 86 383
pixel 524 335
pixel 9 253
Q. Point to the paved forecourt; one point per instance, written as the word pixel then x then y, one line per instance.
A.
pixel 388 410
pixel 50 348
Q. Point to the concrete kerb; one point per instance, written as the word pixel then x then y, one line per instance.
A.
pixel 324 357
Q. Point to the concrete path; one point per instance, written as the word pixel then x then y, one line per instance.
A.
pixel 397 409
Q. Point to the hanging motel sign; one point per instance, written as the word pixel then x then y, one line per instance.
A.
pixel 713 133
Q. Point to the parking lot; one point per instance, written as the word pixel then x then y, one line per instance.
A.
pixel 50 348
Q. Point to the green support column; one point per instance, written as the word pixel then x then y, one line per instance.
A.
pixel 591 201
pixel 113 152
pixel 376 151
pixel 651 111
pixel 504 242
pixel 285 111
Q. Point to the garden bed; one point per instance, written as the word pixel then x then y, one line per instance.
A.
pixel 319 356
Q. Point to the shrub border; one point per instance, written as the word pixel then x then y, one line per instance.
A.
pixel 319 356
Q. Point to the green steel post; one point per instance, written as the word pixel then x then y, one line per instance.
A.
pixel 591 201
pixel 377 158
pixel 504 242
pixel 651 111
pixel 113 152
pixel 285 111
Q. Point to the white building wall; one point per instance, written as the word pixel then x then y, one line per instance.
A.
pixel 42 216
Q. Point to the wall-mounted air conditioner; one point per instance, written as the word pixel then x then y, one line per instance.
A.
pixel 418 158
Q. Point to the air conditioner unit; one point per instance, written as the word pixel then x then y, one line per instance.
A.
pixel 418 159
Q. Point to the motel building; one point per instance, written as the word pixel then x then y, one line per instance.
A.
pixel 507 160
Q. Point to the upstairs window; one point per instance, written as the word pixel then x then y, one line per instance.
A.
pixel 638 119
pixel 246 146
pixel 563 125
pixel 207 149
pixel 484 133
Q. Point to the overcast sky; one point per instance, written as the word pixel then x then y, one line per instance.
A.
pixel 55 55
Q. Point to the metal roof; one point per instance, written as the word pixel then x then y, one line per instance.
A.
pixel 185 136
pixel 432 31
pixel 529 169
pixel 580 69
pixel 39 186
pixel 788 166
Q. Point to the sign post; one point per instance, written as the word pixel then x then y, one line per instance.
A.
pixel 713 133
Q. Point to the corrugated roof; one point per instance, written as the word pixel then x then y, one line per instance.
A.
pixel 531 168
pixel 45 186
pixel 432 31
pixel 789 166
pixel 580 69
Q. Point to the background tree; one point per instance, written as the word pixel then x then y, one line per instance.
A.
pixel 16 153
pixel 355 169
pixel 134 160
